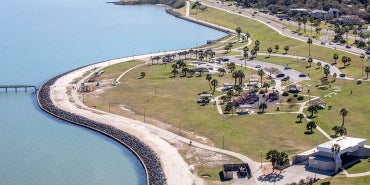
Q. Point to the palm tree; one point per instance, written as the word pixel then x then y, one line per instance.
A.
pixel 248 35
pixel 262 107
pixel 283 159
pixel 235 75
pixel 335 57
pixel 245 49
pixel 174 69
pixel 344 61
pixel 317 30
pixel 256 48
pixel 309 41
pixel 277 158
pixel 362 56
pixel 257 42
pixel 286 48
pixel 326 70
pixel 241 77
pixel 349 60
pixel 300 116
pixel 214 84
pixel 334 76
pixel 310 126
pixel 313 109
pixel 222 71
pixel 142 74
pixel 304 20
pixel 266 85
pixel 342 131
pixel 272 155
pixel 343 112
pixel 230 93
pixel 253 53
pixel 310 60
pixel 367 70
pixel 269 50
pixel 185 71
pixel 231 66
pixel 277 48
pixel 260 73
pixel 299 20
pixel 209 78
pixel 335 149
pixel 238 31
pixel 354 32
pixel 245 55
pixel 229 107
pixel 319 65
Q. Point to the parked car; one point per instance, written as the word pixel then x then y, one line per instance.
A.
pixel 323 43
pixel 348 46
pixel 367 52
pixel 302 75
pixel 285 78
pixel 280 75
pixel 342 75
pixel 287 67
pixel 225 59
pixel 258 66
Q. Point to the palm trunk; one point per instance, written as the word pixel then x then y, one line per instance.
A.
pixel 342 121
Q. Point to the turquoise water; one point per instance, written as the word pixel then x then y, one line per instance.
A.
pixel 43 38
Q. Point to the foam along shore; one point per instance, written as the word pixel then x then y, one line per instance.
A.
pixel 58 97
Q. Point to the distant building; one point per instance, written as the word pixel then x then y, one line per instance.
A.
pixel 322 14
pixel 322 157
pixel 350 19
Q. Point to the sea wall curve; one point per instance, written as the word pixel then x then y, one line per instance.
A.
pixel 148 158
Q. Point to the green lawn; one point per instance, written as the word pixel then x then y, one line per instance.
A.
pixel 357 119
pixel 343 180
pixel 270 38
pixel 174 100
pixel 360 167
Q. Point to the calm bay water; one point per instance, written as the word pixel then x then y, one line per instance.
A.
pixel 43 38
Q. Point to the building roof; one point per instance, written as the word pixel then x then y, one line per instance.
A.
pixel 347 144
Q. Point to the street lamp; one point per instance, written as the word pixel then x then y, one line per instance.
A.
pixel 261 158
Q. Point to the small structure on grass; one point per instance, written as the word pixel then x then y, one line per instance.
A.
pixel 204 98
pixel 243 169
pixel 319 102
pixel 294 88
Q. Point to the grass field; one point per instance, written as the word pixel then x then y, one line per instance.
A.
pixel 357 119
pixel 343 180
pixel 270 38
pixel 174 100
pixel 360 167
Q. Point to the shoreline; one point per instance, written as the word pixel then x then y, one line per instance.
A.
pixel 161 160
pixel 152 160
pixel 149 160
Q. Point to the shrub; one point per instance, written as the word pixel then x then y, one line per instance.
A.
pixel 295 95
pixel 359 82
pixel 300 98
pixel 285 93
pixel 262 91
pixel 289 99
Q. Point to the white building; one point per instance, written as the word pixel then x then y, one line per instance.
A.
pixel 322 157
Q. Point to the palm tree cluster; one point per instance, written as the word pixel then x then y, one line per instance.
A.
pixel 228 47
pixel 278 159
pixel 341 130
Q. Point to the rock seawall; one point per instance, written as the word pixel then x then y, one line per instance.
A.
pixel 149 159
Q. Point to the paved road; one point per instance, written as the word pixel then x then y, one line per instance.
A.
pixel 271 22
